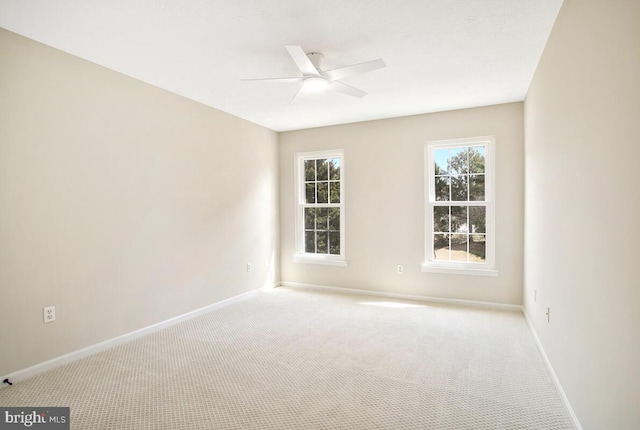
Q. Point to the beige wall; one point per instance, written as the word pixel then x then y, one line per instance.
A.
pixel 385 203
pixel 582 122
pixel 121 204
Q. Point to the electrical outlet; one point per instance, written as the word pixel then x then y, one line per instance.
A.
pixel 400 269
pixel 548 314
pixel 49 314
pixel 248 267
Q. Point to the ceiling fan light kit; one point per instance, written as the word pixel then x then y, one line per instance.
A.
pixel 315 79
pixel 315 83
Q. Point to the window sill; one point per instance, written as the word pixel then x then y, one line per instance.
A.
pixel 318 260
pixel 428 268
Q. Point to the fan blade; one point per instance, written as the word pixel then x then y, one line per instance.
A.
pixel 344 72
pixel 302 61
pixel 346 89
pixel 296 94
pixel 274 79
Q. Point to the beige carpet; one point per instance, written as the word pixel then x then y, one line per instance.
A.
pixel 288 359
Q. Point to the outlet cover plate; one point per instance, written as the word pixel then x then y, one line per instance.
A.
pixel 49 314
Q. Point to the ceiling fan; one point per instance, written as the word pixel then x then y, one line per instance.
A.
pixel 314 78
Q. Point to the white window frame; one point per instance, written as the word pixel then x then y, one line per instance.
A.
pixel 487 268
pixel 300 255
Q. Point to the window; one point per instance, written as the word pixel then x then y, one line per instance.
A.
pixel 459 214
pixel 320 208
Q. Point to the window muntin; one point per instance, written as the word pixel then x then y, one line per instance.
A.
pixel 320 211
pixel 459 209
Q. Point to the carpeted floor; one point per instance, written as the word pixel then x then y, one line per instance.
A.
pixel 290 359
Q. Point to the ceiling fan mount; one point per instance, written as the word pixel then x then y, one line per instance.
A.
pixel 315 78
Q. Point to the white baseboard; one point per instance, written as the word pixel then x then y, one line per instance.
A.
pixel 556 381
pixel 473 303
pixel 110 343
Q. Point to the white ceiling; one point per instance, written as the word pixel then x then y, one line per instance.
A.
pixel 440 54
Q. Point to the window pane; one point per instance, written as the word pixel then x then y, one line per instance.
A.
pixel 334 219
pixel 309 218
pixel 477 248
pixel 458 163
pixel 335 192
pixel 310 170
pixel 334 243
pixel 476 159
pixel 322 238
pixel 310 193
pixel 442 187
pixel 441 247
pixel 309 241
pixel 459 247
pixel 476 187
pixel 440 161
pixel 322 169
pixel 459 222
pixel 459 192
pixel 322 215
pixel 334 169
pixel 323 192
pixel 441 219
pixel 478 219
